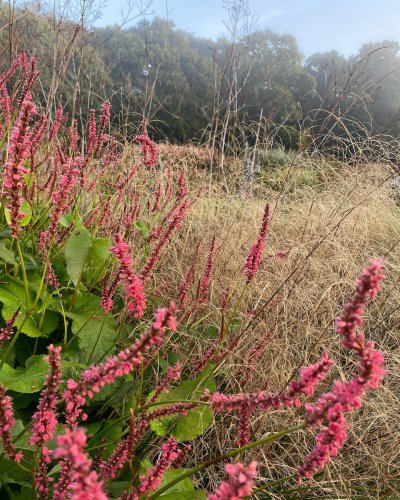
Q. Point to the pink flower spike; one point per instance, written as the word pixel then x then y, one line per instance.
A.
pixel 169 453
pixel 254 257
pixel 6 424
pixel 332 406
pixel 84 483
pixel 97 376
pixel 122 453
pixel 149 148
pixel 44 420
pixel 240 483
pixel 203 292
pixel 57 123
pixel 7 331
pixel 14 169
pixel 133 284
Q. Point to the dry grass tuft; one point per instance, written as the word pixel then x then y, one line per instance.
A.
pixel 330 234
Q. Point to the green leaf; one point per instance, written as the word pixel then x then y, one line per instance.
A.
pixel 26 380
pixel 142 228
pixel 116 488
pixel 211 332
pixel 13 297
pixel 184 485
pixel 98 255
pixel 23 441
pixel 100 249
pixel 186 495
pixel 26 208
pixel 76 252
pixel 109 434
pixel 96 330
pixel 6 254
pixel 196 422
pixel 66 219
pixel 25 220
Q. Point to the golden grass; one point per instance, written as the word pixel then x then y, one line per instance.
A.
pixel 331 234
pixel 330 226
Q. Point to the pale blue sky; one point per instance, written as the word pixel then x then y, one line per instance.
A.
pixel 318 25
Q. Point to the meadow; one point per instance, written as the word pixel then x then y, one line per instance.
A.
pixel 170 332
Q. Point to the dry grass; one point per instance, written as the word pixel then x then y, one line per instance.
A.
pixel 330 227
pixel 330 233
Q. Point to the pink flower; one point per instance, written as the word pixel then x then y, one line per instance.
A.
pixel 6 424
pixel 83 483
pixel 5 104
pixel 60 198
pixel 57 123
pixel 7 331
pixel 41 477
pixel 44 419
pixel 94 378
pixel 133 284
pixel 173 374
pixel 107 293
pixel 240 483
pixel 149 149
pixel 36 136
pixel 14 170
pixel 51 278
pixel 163 235
pixel 203 292
pixel 121 455
pixel 346 396
pixel 169 453
pixel 73 135
pixel 254 257
pixel 96 137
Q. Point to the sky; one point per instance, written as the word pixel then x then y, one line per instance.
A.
pixel 318 25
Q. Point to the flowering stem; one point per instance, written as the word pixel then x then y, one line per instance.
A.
pixel 271 437
pixel 170 402
pixel 26 284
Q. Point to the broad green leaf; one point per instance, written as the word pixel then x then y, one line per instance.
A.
pixel 100 249
pixel 23 441
pixel 211 332
pixel 26 208
pixel 98 255
pixel 66 219
pixel 13 297
pixel 142 228
pixel 76 252
pixel 96 330
pixel 196 422
pixel 167 359
pixel 11 471
pixel 26 380
pixel 6 254
pixel 116 488
pixel 25 220
pixel 109 433
pixel 184 485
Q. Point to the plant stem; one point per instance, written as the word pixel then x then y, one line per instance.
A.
pixel 26 284
pixel 14 339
